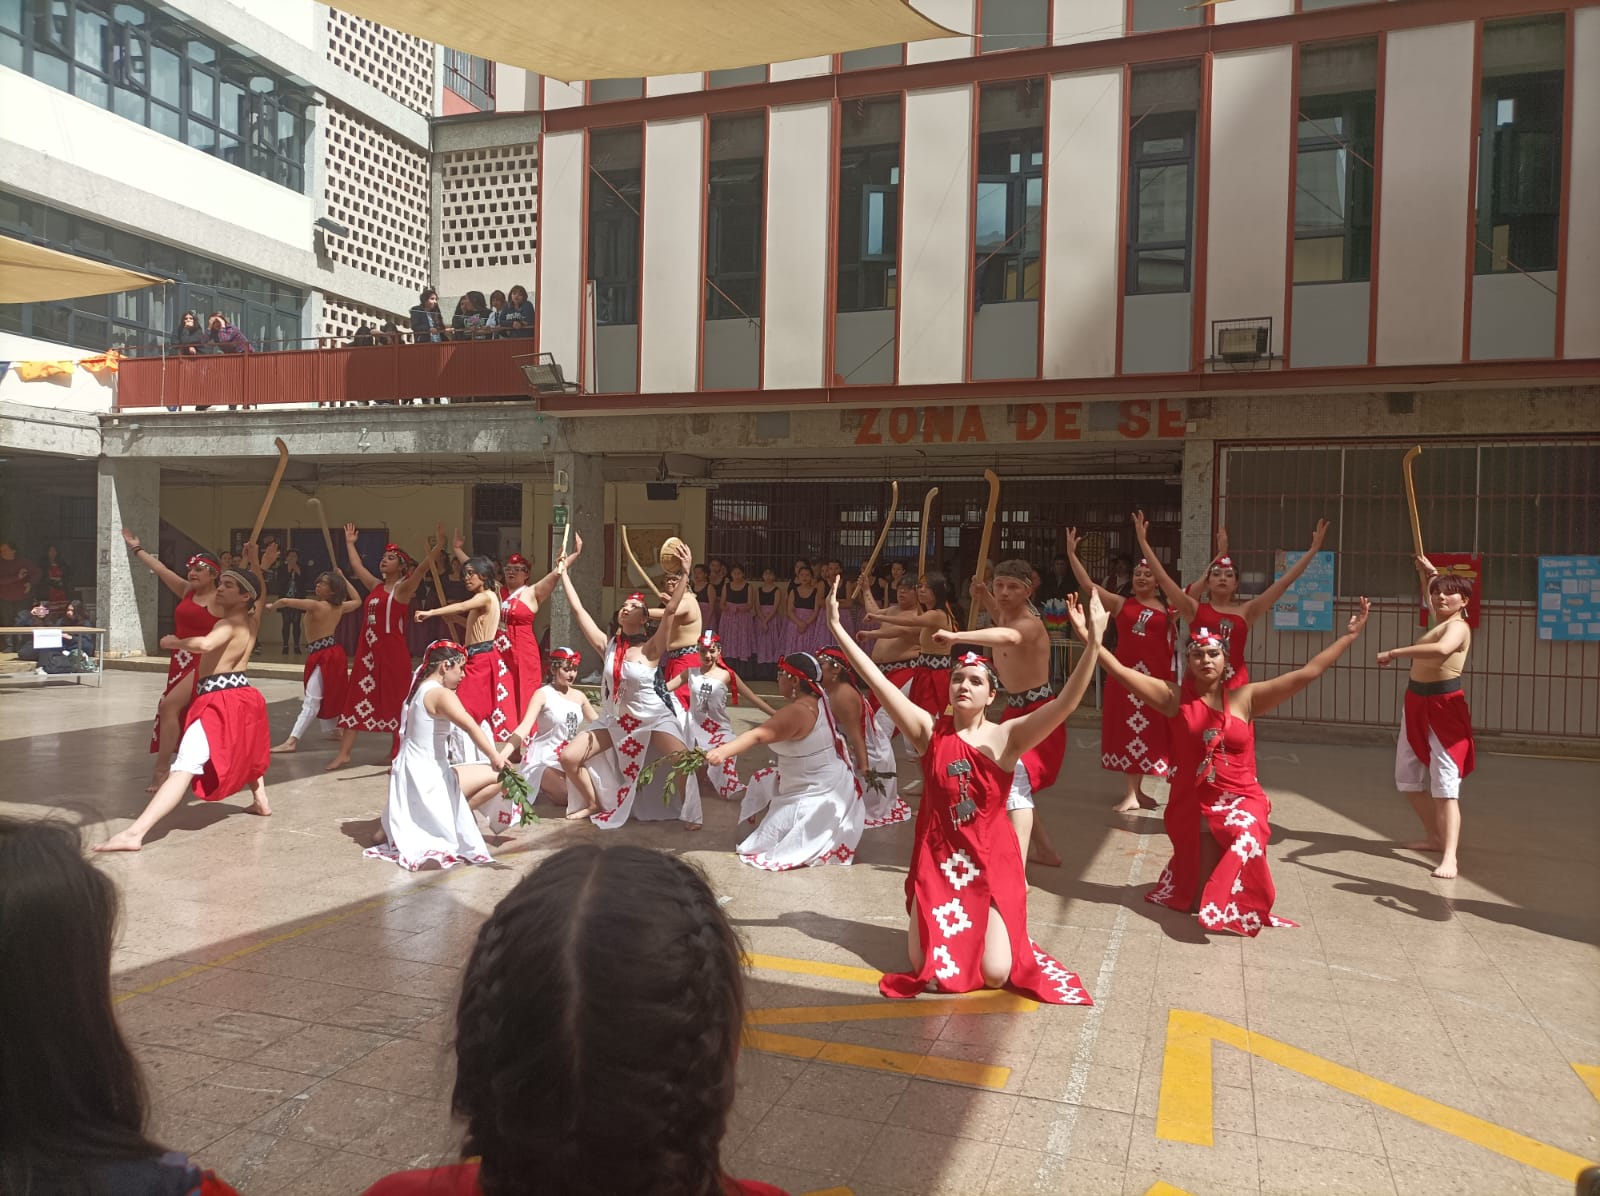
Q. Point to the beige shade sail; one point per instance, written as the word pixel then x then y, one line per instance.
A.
pixel 620 39
pixel 31 273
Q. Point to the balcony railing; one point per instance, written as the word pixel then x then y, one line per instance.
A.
pixel 485 369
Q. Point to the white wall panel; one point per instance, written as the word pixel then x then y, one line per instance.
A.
pixel 563 95
pixel 674 187
pixel 1082 198
pixel 952 14
pixel 1582 336
pixel 1428 116
pixel 1252 10
pixel 935 235
pixel 1248 213
pixel 561 199
pixel 671 85
pixel 795 300
pixel 1075 21
pixel 800 68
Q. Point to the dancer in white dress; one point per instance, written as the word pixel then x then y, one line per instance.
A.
pixel 428 817
pixel 556 712
pixel 603 763
pixel 812 798
pixel 880 792
pixel 712 688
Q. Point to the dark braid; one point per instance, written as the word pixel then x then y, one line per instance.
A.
pixel 597 1030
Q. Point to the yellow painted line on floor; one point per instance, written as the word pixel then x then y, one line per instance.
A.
pixel 1184 1112
pixel 1162 1188
pixel 811 967
pixel 922 1007
pixel 831 1192
pixel 1590 1075
pixel 959 1071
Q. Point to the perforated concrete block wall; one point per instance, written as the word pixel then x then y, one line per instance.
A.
pixel 397 64
pixel 377 187
pixel 489 211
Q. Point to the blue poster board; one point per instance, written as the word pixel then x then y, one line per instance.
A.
pixel 1569 598
pixel 1307 605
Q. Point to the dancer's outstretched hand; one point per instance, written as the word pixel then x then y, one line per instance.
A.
pixel 1358 621
pixel 830 604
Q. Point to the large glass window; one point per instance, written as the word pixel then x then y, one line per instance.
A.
pixel 140 62
pixel 875 56
pixel 1165 14
pixel 1519 145
pixel 614 165
pixel 1161 155
pixel 869 204
pixel 471 78
pixel 1010 194
pixel 1013 24
pixel 734 191
pixel 1333 167
pixel 267 310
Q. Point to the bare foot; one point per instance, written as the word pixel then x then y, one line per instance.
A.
pixel 1126 806
pixel 121 841
pixel 1146 802
pixel 1446 869
pixel 337 762
pixel 691 826
pixel 1423 845
pixel 379 838
pixel 288 745
pixel 580 815
pixel 1038 854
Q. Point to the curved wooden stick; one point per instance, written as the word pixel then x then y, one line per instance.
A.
pixel 1411 498
pixel 993 479
pixel 922 545
pixel 883 536
pixel 634 561
pixel 272 490
pixel 327 538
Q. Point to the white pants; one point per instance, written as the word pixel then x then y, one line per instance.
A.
pixel 1021 795
pixel 1438 776
pixel 194 751
pixel 309 707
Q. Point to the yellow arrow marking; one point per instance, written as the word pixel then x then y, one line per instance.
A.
pixel 810 967
pixel 982 1002
pixel 933 1067
pixel 1590 1075
pixel 1184 1111
pixel 1162 1188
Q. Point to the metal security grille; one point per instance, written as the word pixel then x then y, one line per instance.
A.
pixel 1508 502
pixel 761 524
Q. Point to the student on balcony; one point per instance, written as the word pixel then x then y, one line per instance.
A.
pixel 427 323
pixel 516 317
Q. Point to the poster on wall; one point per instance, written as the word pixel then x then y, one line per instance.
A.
pixel 1569 598
pixel 1461 564
pixel 1307 605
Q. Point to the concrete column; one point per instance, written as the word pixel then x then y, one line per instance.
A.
pixel 125 591
pixel 1199 457
pixel 585 500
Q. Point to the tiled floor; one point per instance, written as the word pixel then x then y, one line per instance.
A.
pixel 292 1001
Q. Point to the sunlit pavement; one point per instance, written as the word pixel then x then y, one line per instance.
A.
pixel 292 1001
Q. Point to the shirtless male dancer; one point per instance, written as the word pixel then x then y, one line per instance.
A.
pixel 1021 648
pixel 1434 753
pixel 226 745
pixel 682 652
pixel 327 669
pixel 894 651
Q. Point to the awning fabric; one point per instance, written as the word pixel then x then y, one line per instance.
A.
pixel 619 39
pixel 31 274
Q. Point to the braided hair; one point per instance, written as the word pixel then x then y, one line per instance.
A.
pixel 597 1030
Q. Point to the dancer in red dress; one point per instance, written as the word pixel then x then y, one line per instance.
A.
pixel 929 681
pixel 381 675
pixel 225 746
pixel 1133 742
pixel 1223 611
pixel 327 670
pixel 520 646
pixel 195 615
pixel 966 893
pixel 1217 814
pixel 488 690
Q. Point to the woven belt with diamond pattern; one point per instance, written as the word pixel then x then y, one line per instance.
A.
pixel 219 681
pixel 1037 694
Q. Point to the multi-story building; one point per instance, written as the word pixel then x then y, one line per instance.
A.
pixel 1224 263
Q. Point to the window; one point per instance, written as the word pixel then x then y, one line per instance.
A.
pixel 267 310
pixel 734 195
pixel 141 63
pixel 736 76
pixel 1165 14
pixel 603 91
pixel 1012 24
pixel 1519 145
pixel 876 56
pixel 1161 153
pixel 471 78
pixel 869 205
pixel 614 184
pixel 1010 192
pixel 1333 167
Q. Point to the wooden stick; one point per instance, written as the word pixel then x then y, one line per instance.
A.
pixel 922 546
pixel 438 592
pixel 327 537
pixel 272 490
pixel 634 561
pixel 993 479
pixel 883 536
pixel 1411 499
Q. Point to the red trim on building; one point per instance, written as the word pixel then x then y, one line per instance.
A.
pixel 1476 109
pixel 1570 32
pixel 585 383
pixel 830 282
pixel 1123 166
pixel 1200 241
pixel 1294 180
pixel 638 332
pixel 1044 203
pixel 970 315
pixel 705 274
pixel 1377 197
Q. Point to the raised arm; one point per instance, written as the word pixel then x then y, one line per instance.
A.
pixel 1110 600
pixel 1175 593
pixel 587 625
pixel 407 589
pixel 458 545
pixel 1262 696
pixel 987 637
pixel 1031 729
pixel 250 556
pixel 546 585
pixel 1196 587
pixel 178 585
pixel 363 574
pixel 915 723
pixel 1263 601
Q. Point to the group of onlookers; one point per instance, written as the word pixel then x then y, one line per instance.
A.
pixel 476 318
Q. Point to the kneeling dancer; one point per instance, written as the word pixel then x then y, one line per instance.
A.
pixel 488 690
pixel 966 893
pixel 327 668
pixel 556 712
pixel 1217 813
pixel 225 746
pixel 812 798
pixel 712 689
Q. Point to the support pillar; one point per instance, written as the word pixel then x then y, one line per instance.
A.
pixel 1199 459
pixel 584 497
pixel 129 495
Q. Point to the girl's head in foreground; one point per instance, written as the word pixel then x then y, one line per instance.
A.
pixel 71 1096
pixel 598 1029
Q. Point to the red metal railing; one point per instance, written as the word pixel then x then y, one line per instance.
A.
pixel 485 369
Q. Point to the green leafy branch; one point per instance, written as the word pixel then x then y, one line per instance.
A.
pixel 877 781
pixel 519 794
pixel 678 764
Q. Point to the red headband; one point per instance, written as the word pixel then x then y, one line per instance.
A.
pixel 451 644
pixel 1222 562
pixel 809 682
pixel 1145 561
pixel 970 657
pixel 399 552
pixel 636 596
pixel 208 561
pixel 1204 637
pixel 558 655
pixel 516 561
pixel 709 639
